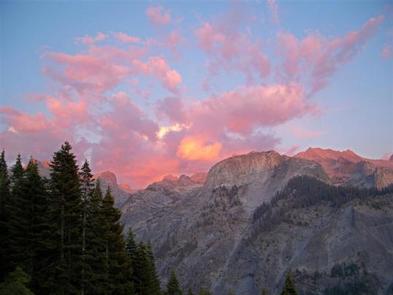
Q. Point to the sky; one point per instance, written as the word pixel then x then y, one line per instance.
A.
pixel 147 89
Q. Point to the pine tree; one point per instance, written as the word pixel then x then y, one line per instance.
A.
pixel 173 287
pixel 15 210
pixel 16 283
pixel 36 228
pixel 118 275
pixel 289 287
pixel 155 283
pixel 66 209
pixel 87 186
pixel 4 217
pixel 145 278
pixel 95 244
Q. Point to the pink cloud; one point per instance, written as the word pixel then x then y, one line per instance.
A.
pixel 314 59
pixel 19 122
pixel 242 110
pixel 158 15
pixel 158 67
pixel 89 40
pixel 230 49
pixel 123 37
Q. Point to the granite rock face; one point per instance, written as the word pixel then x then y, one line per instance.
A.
pixel 207 233
pixel 348 168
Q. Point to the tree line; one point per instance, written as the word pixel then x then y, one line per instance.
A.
pixel 63 235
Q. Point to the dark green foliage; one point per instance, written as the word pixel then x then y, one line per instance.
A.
pixel 145 277
pixel 264 292
pixel 66 206
pixel 4 217
pixel 306 191
pixel 65 236
pixel 87 185
pixel 351 280
pixel 204 292
pixel 173 288
pixel 95 244
pixel 16 283
pixel 16 207
pixel 289 287
pixel 190 292
pixel 117 266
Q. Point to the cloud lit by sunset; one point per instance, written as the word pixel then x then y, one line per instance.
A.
pixel 149 90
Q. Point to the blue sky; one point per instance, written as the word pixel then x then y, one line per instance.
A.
pixel 355 105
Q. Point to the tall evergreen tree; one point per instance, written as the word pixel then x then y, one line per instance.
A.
pixel 118 275
pixel 67 214
pixel 144 274
pixel 289 287
pixel 87 187
pixel 4 204
pixel 153 272
pixel 15 210
pixel 16 283
pixel 38 228
pixel 173 287
pixel 95 244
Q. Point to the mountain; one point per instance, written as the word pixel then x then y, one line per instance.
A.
pixel 219 235
pixel 348 168
pixel 119 192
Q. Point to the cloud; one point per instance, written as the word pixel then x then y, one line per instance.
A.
pixel 242 110
pixel 89 40
pixel 315 58
pixel 196 148
pixel 100 100
pixel 125 38
pixel 230 49
pixel 158 15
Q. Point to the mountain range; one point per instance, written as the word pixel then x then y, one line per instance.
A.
pixel 325 216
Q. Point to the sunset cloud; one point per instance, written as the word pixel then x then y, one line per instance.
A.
pixel 132 104
pixel 230 49
pixel 158 15
pixel 315 58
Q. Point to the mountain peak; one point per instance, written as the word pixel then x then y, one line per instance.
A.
pixel 108 177
pixel 237 169
pixel 329 154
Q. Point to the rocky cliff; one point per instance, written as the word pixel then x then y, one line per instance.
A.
pixel 208 233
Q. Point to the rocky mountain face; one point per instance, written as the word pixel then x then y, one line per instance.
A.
pixel 348 168
pixel 211 234
pixel 108 179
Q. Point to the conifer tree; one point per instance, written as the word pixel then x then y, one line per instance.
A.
pixel 145 279
pixel 34 221
pixel 4 204
pixel 15 209
pixel 117 275
pixel 66 209
pixel 289 287
pixel 87 186
pixel 95 244
pixel 173 287
pixel 155 283
pixel 16 283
